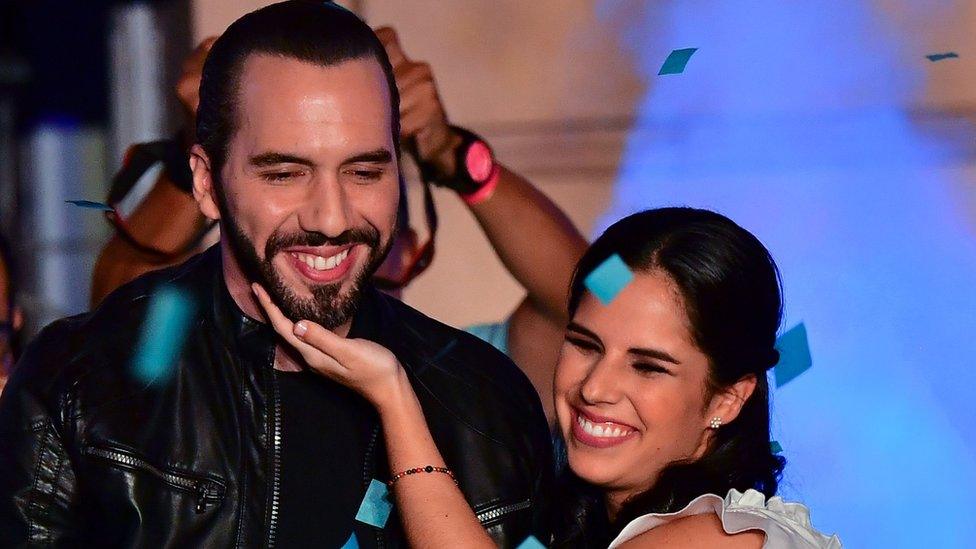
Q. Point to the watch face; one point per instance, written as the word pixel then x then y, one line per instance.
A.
pixel 479 162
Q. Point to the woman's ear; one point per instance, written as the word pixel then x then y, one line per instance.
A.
pixel 203 183
pixel 727 404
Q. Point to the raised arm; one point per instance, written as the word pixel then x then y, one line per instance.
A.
pixel 168 219
pixel 534 239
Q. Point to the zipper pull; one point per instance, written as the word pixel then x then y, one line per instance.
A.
pixel 201 489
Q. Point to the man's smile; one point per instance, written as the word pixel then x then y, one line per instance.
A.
pixel 323 264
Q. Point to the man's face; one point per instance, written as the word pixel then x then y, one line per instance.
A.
pixel 309 190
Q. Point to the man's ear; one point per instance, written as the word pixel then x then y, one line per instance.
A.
pixel 727 404
pixel 203 183
pixel 410 238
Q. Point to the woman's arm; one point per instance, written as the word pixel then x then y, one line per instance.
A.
pixel 431 506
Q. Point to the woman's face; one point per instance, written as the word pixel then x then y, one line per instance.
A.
pixel 630 387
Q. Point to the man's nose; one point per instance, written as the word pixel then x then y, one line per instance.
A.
pixel 327 209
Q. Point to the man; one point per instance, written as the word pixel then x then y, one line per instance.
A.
pixel 237 443
pixel 534 239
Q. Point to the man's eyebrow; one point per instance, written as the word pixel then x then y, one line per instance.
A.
pixel 274 158
pixel 378 156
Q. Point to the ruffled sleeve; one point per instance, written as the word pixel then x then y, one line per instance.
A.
pixel 786 525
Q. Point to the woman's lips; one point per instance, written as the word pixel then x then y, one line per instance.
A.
pixel 599 434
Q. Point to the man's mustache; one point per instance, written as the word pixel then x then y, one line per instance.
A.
pixel 359 235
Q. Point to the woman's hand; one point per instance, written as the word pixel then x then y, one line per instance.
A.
pixel 362 365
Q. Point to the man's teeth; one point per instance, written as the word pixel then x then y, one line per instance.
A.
pixel 320 263
pixel 602 431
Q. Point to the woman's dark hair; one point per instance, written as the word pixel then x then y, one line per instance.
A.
pixel 730 289
pixel 316 32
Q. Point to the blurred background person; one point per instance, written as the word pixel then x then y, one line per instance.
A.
pixel 11 318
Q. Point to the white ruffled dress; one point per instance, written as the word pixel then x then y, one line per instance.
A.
pixel 787 525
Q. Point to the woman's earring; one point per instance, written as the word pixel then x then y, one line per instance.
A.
pixel 715 423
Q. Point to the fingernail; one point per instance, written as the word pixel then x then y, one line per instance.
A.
pixel 300 328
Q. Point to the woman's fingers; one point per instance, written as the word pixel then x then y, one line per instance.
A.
pixel 324 340
pixel 286 329
pixel 279 321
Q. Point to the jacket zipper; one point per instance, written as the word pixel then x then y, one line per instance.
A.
pixel 275 464
pixel 207 492
pixel 494 514
pixel 369 472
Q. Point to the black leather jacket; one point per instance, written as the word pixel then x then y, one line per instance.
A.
pixel 90 455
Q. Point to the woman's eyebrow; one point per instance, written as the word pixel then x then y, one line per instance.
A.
pixel 574 327
pixel 653 353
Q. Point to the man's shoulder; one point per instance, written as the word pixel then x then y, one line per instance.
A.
pixel 91 347
pixel 460 367
pixel 458 351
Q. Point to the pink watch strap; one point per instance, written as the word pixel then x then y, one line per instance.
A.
pixel 485 191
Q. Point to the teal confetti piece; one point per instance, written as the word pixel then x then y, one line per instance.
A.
pixel 163 332
pixel 676 61
pixel 376 505
pixel 352 542
pixel 775 447
pixel 940 56
pixel 531 543
pixel 91 205
pixel 607 280
pixel 794 355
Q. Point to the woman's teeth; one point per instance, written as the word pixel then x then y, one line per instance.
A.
pixel 320 263
pixel 602 431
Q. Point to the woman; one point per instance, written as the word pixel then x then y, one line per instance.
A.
pixel 661 399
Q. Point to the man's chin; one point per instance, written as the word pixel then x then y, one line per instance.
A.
pixel 329 304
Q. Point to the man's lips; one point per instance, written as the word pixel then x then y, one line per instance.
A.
pixel 322 264
pixel 599 431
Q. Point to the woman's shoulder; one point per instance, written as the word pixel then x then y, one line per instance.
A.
pixel 712 519
pixel 703 531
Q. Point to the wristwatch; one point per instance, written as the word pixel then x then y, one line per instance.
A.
pixel 474 164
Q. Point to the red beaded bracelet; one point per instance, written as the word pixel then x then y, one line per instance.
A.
pixel 427 469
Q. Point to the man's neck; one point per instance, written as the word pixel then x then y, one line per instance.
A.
pixel 239 287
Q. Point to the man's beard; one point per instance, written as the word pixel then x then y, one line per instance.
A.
pixel 327 307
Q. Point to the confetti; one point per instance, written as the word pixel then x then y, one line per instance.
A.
pixel 91 205
pixel 775 447
pixel 351 543
pixel 794 355
pixel 163 331
pixel 676 61
pixel 940 56
pixel 531 543
pixel 607 280
pixel 376 505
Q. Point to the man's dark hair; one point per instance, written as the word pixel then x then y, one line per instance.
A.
pixel 316 32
